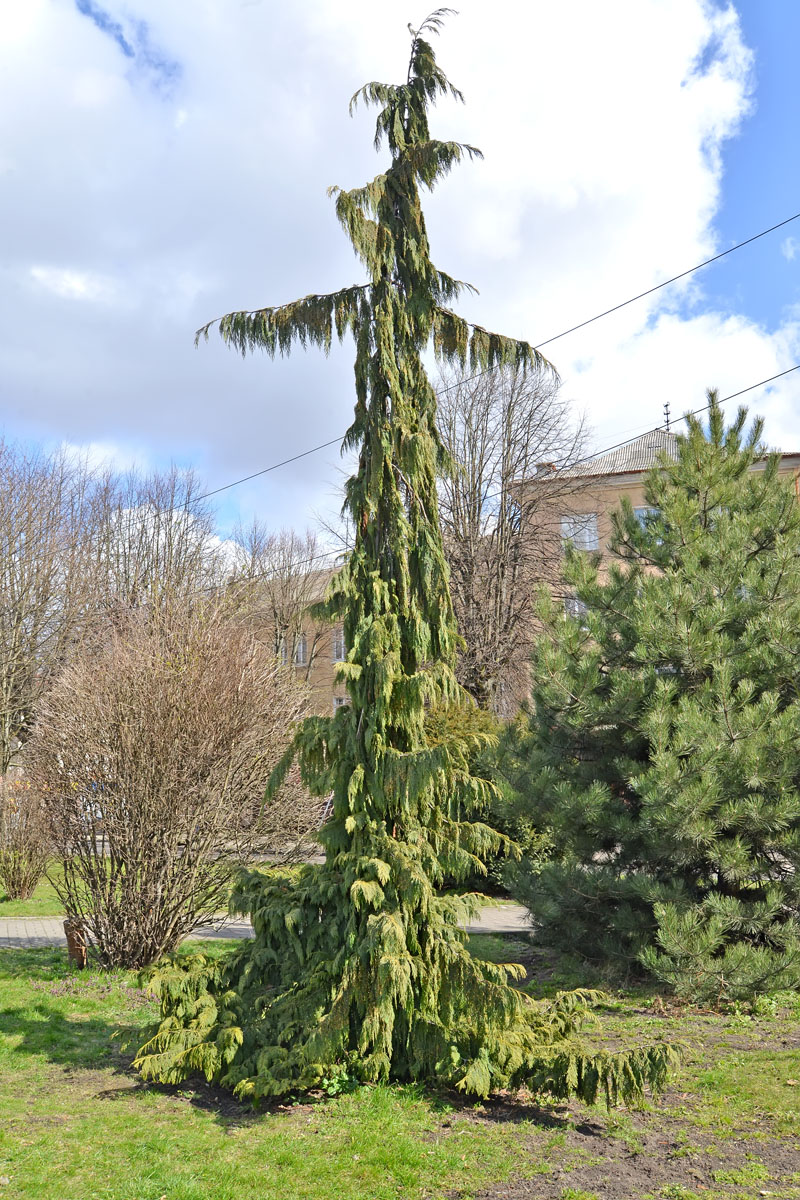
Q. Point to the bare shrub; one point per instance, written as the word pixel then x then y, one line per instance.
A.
pixel 24 838
pixel 152 755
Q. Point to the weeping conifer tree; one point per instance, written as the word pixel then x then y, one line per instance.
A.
pixel 359 965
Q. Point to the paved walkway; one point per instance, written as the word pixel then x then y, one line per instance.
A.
pixel 17 932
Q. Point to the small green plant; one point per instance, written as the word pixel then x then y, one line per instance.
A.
pixel 338 1081
pixel 683 1146
pixel 765 1006
pixel 753 1172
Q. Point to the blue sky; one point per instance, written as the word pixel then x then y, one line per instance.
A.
pixel 761 181
pixel 132 37
pixel 163 164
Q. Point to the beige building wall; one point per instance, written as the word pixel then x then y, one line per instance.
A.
pixel 325 649
pixel 281 613
pixel 602 495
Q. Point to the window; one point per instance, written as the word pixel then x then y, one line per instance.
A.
pixel 574 607
pixel 301 650
pixel 339 702
pixel 646 516
pixel 581 530
pixel 337 644
pixel 642 514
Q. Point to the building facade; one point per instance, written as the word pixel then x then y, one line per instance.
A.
pixel 608 479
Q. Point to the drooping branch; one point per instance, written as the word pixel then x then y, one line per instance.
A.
pixel 311 321
pixel 456 340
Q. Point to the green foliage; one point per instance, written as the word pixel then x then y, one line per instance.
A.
pixel 361 962
pixel 482 730
pixel 661 746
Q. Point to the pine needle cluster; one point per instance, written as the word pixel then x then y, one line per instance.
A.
pixel 360 964
pixel 661 747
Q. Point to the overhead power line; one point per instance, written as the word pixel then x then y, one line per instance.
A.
pixel 597 453
pixel 588 458
pixel 266 470
pixel 641 295
pixel 674 279
pixel 607 312
pixel 693 413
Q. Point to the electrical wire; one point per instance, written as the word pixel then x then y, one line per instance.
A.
pixel 266 470
pixel 693 413
pixel 658 428
pixel 597 454
pixel 690 271
pixel 640 295
pixel 581 325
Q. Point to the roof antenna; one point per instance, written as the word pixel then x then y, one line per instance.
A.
pixel 666 416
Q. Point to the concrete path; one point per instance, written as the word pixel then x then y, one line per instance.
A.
pixel 17 932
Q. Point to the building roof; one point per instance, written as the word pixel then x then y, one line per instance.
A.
pixel 640 454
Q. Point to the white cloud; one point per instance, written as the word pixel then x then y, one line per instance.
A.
pixel 72 284
pixel 603 127
pixel 789 248
pixel 95 89
pixel 107 456
pixel 676 360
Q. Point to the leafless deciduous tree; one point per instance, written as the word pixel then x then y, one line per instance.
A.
pixel 152 754
pixel 510 435
pixel 78 547
pixel 276 577
pixel 155 541
pixel 48 512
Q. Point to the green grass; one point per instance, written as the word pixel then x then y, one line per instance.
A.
pixel 77 1124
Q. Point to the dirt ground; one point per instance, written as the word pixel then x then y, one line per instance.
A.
pixel 728 1128
pixel 661 1166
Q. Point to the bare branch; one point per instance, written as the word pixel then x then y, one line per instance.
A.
pixel 502 537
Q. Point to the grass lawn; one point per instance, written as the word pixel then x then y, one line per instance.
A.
pixel 76 1124
pixel 43 903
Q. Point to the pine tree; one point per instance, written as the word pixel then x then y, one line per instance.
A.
pixel 661 746
pixel 359 965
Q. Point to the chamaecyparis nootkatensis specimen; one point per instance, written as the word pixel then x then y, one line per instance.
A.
pixel 662 745
pixel 359 965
